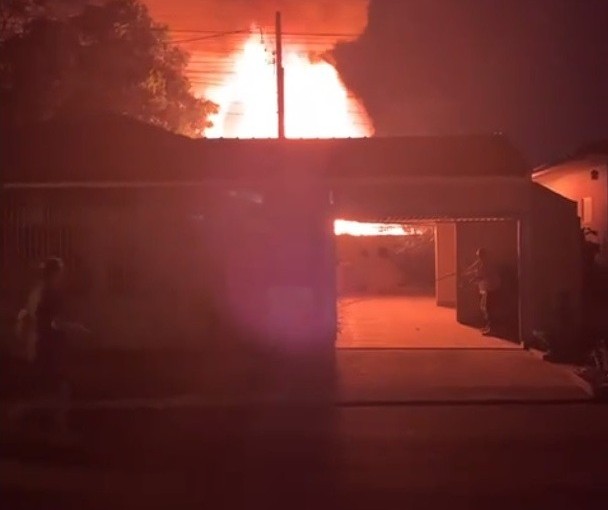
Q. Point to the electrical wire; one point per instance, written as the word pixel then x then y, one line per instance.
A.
pixel 211 36
pixel 219 32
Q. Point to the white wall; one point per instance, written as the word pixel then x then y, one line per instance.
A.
pixel 573 180
pixel 362 270
pixel 445 264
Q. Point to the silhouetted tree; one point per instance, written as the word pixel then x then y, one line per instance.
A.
pixel 107 57
pixel 15 15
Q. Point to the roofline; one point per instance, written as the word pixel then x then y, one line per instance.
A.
pixel 553 167
pixel 379 179
pixel 208 181
pixel 549 167
pixel 440 218
pixel 543 170
pixel 108 184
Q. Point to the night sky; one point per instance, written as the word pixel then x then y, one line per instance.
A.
pixel 534 69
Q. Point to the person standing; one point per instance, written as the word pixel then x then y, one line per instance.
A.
pixel 44 329
pixel 485 275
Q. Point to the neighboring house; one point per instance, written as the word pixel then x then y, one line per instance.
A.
pixel 583 178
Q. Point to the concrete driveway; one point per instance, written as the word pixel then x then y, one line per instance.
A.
pixel 389 322
pixel 391 377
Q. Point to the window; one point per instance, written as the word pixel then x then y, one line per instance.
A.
pixel 585 210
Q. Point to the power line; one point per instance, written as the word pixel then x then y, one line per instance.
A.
pixel 213 70
pixel 211 36
pixel 306 34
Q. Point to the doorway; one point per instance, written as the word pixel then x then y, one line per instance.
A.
pixel 400 285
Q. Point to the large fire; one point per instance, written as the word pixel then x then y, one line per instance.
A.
pixel 317 103
pixel 357 228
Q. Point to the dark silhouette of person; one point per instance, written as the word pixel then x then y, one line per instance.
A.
pixel 484 273
pixel 45 312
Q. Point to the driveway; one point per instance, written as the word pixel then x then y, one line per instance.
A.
pixel 407 349
pixel 458 375
pixel 389 322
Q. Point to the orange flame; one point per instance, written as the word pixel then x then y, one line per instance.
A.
pixel 317 103
pixel 356 228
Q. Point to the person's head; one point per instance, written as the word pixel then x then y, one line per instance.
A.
pixel 481 253
pixel 52 271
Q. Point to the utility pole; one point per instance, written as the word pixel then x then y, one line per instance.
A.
pixel 280 77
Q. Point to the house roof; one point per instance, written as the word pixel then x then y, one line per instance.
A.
pixel 588 153
pixel 118 149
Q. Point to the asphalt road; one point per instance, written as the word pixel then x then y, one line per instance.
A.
pixel 408 456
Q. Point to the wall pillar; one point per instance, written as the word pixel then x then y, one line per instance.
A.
pixel 526 284
pixel 445 264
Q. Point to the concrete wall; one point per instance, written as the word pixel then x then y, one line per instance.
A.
pixel 574 180
pixel 554 264
pixel 445 264
pixel 363 269
pixel 176 268
pixel 152 282
pixel 146 268
pixel 386 264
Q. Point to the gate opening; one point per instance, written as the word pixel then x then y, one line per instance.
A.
pixel 400 285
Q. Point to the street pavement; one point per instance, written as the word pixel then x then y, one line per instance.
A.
pixel 426 456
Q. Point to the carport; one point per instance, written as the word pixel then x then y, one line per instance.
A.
pixel 528 227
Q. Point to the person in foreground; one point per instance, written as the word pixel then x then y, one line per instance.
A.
pixel 44 332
